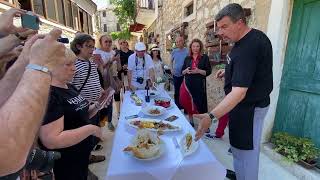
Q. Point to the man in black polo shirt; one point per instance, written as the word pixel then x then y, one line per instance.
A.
pixel 248 83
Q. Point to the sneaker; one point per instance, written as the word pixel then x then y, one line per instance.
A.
pixel 209 136
pixel 110 126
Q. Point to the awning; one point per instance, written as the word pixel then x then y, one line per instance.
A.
pixel 136 27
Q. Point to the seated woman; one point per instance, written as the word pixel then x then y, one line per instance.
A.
pixel 65 127
pixel 193 93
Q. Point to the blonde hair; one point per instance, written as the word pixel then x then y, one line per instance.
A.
pixel 69 55
pixel 98 40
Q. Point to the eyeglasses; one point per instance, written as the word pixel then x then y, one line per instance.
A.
pixel 108 41
pixel 89 46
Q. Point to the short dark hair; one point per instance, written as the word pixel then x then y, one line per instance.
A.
pixel 80 40
pixel 234 11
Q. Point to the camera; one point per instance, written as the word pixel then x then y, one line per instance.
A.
pixel 63 40
pixel 38 160
pixel 140 80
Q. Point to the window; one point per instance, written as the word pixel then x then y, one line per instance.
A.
pixel 38 7
pixel 60 10
pixel 25 4
pixel 118 27
pixel 68 13
pixel 105 28
pixel 104 14
pixel 85 22
pixel 51 10
pixel 189 9
pixel 75 17
pixel 90 24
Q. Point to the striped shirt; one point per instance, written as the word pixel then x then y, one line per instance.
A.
pixel 92 89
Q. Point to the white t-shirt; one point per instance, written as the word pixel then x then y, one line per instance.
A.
pixel 107 57
pixel 140 68
pixel 158 70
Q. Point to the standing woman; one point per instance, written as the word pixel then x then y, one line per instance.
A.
pixel 196 67
pixel 111 65
pixel 157 61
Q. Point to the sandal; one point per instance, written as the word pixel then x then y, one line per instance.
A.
pixel 98 147
pixel 96 158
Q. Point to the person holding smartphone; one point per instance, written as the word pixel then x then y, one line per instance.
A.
pixel 65 127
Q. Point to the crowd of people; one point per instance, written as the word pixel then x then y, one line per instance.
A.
pixel 57 99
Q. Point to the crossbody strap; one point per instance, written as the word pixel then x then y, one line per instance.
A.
pixel 85 81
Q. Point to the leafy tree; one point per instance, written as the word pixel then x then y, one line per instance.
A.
pixel 125 10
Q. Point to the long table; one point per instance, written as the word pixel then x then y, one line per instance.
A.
pixel 201 165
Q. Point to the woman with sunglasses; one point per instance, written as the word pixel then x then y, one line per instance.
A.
pixel 111 64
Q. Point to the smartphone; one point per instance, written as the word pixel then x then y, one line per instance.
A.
pixel 63 40
pixel 172 118
pixel 30 21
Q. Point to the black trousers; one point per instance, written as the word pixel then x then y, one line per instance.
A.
pixel 177 81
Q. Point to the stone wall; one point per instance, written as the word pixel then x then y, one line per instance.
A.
pixel 172 14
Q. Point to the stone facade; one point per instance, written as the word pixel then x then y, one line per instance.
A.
pixel 110 20
pixel 172 14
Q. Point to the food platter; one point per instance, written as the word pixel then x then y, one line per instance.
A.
pixel 153 125
pixel 153 110
pixel 188 145
pixel 145 146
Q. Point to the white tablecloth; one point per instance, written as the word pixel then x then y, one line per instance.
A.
pixel 201 165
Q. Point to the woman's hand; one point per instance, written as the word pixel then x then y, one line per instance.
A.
pixel 97 132
pixel 220 73
pixel 198 71
pixel 186 71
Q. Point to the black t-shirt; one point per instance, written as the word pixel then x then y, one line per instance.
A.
pixel 249 65
pixel 124 59
pixel 74 108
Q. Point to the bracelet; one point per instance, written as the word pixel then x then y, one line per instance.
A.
pixel 38 68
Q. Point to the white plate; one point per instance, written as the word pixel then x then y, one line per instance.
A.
pixel 154 120
pixel 183 146
pixel 161 151
pixel 148 108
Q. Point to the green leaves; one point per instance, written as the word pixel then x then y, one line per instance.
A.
pixel 125 10
pixel 294 148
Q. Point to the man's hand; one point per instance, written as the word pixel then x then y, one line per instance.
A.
pixel 48 51
pixel 220 73
pixel 205 123
pixel 6 23
pixel 97 132
pixel 28 33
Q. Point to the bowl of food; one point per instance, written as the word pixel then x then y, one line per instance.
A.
pixel 153 110
pixel 145 145
pixel 162 101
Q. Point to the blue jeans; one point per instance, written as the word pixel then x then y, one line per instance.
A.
pixel 177 81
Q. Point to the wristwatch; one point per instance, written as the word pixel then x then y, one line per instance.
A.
pixel 212 117
pixel 38 68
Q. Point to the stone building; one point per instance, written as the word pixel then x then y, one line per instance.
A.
pixel 293 28
pixel 107 20
pixel 68 15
